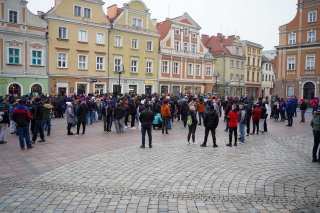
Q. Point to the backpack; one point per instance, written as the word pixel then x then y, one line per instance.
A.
pixel 189 121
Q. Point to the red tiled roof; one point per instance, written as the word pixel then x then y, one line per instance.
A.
pixel 228 41
pixel 163 28
pixel 215 46
pixel 119 11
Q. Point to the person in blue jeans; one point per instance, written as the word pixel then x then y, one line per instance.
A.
pixel 146 118
pixel 315 123
pixel 22 116
pixel 242 120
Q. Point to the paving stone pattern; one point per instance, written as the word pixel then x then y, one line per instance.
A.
pixel 272 172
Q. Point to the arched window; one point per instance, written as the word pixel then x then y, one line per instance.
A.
pixel 15 89
pixel 36 88
pixel 309 85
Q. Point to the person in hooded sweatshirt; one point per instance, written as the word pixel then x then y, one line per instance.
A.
pixel 315 123
pixel 290 111
pixel 193 124
pixel 210 122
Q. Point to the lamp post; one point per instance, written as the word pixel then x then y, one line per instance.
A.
pixel 119 71
pixel 216 75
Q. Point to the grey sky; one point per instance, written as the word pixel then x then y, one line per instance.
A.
pixel 254 20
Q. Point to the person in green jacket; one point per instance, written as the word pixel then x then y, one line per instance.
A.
pixel 315 123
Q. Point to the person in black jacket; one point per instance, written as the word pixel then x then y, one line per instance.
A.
pixel 210 121
pixel 133 112
pixel 118 116
pixel 4 122
pixel 193 126
pixel 303 108
pixel 106 112
pixel 184 112
pixel 38 116
pixel 249 115
pixel 82 116
pixel 226 112
pixel 146 118
pixel 263 118
pixel 90 112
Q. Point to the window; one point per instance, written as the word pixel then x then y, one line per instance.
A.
pixel 82 65
pixel 134 43
pixel 258 76
pixel 100 63
pixel 208 71
pixel 266 66
pixel 62 60
pixel 258 62
pixel 291 63
pixel 237 77
pixel 231 77
pixel 149 67
pixel 149 45
pixel 231 63
pixel 190 69
pixel 77 11
pixel 177 32
pixel 193 48
pixel 248 75
pixel 254 62
pixel 63 32
pixel 312 36
pixel 312 16
pixel 117 64
pixel 237 64
pixel 83 36
pixel 194 35
pixel 270 67
pixel 176 68
pixel 165 67
pixel 100 38
pixel 290 91
pixel 118 41
pixel 134 66
pixel 237 51
pixel 197 70
pixel 185 47
pixel 36 57
pixel 14 56
pixel 254 50
pixel 242 65
pixel 137 22
pixel 252 76
pixel 177 45
pixel 248 49
pixel 242 78
pixel 269 77
pixel 13 16
pixel 87 12
pixel 185 32
pixel 292 38
pixel 248 61
pixel 262 77
pixel 310 63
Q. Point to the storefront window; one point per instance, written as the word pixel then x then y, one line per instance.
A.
pixel 148 89
pixel 187 90
pixel 176 89
pixel 81 89
pixel 164 89
pixel 132 89
pixel 36 89
pixel 98 89
pixel 15 89
pixel 197 90
pixel 290 90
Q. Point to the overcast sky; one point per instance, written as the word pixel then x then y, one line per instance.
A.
pixel 253 20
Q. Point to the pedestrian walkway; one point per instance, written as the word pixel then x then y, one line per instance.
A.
pixel 97 172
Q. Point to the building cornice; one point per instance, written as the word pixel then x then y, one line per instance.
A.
pixel 79 22
pixel 125 28
pixel 101 77
pixel 291 46
pixel 23 76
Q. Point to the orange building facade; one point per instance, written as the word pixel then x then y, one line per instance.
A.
pixel 298 54
pixel 185 64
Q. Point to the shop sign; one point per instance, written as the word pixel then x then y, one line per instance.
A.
pixel 149 82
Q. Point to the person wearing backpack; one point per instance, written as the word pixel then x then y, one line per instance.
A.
pixel 192 124
pixel 210 122
pixel 315 123
pixel 242 120
pixel 233 124
pixel 303 108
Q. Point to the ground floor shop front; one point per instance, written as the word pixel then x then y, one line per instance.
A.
pixel 253 90
pixel 17 85
pixel 136 86
pixel 187 88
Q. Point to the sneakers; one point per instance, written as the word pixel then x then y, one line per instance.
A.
pixel 215 145
pixel 30 147
pixel 22 148
pixel 70 133
pixel 48 134
pixel 242 142
pixel 314 160
pixel 150 146
pixel 133 128
pixel 203 145
pixel 142 147
pixel 76 134
pixel 225 130
pixel 83 133
pixel 167 133
pixel 33 142
pixel 43 140
pixel 229 144
pixel 3 142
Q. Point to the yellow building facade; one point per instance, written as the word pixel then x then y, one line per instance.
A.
pixel 78 47
pixel 134 45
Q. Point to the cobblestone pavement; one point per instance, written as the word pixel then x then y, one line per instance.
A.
pixel 272 172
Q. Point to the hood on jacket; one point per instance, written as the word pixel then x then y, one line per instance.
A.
pixel 316 113
pixel 47 106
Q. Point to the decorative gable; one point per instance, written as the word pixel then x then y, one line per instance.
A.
pixel 185 21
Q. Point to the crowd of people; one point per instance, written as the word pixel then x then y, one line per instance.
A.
pixel 26 114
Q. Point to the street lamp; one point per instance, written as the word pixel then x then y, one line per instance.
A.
pixel 120 71
pixel 216 75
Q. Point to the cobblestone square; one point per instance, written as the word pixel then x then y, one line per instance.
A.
pixel 102 172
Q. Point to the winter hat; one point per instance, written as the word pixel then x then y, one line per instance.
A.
pixel 290 99
pixel 83 102
pixel 37 100
pixel 211 107
pixel 165 101
pixel 302 100
pixel 230 99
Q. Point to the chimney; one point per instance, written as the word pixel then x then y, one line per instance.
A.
pixel 40 14
pixel 112 11
pixel 154 22
pixel 56 2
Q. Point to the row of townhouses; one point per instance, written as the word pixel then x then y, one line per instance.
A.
pixel 77 47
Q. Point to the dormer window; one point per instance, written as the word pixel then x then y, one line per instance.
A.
pixel 137 22
pixel 13 16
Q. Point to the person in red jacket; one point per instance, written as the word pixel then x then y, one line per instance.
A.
pixel 233 124
pixel 255 119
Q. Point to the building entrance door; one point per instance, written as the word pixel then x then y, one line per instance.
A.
pixel 308 92
pixel 148 89
pixel 62 91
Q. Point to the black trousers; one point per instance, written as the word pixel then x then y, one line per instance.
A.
pixel 192 131
pixel 69 127
pixel 184 119
pixel 109 123
pixel 83 127
pixel 265 125
pixel 256 125
pixel 233 130
pixel 206 133
pixel 126 119
pixel 248 125
pixel 133 117
pixel 104 118
pixel 165 121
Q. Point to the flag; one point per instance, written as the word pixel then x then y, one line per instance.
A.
pixel 294 85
